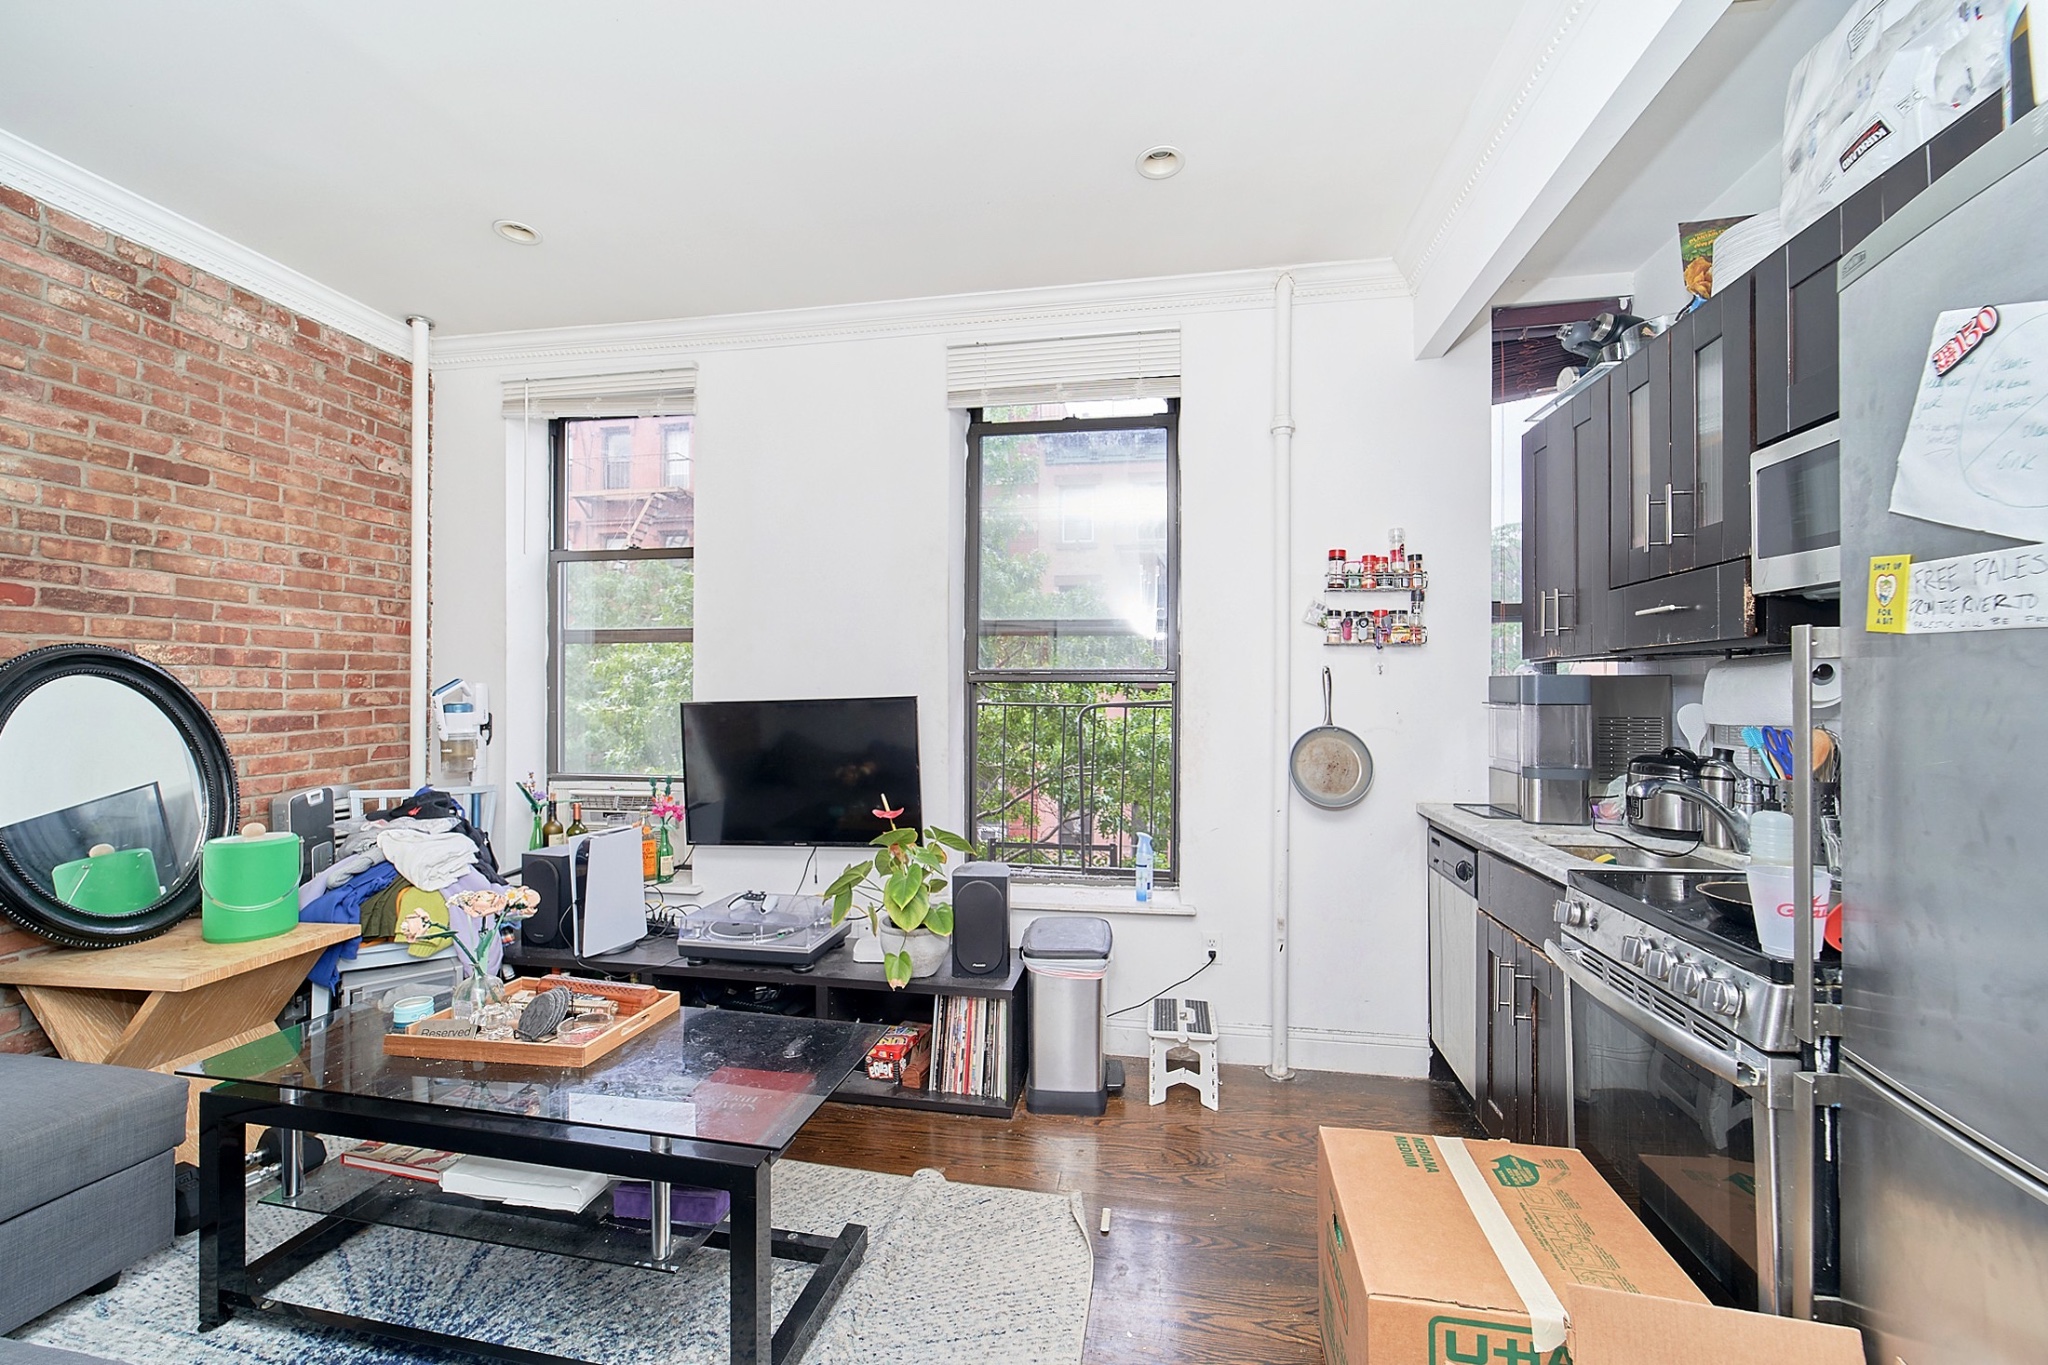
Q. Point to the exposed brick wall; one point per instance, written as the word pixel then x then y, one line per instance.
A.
pixel 196 474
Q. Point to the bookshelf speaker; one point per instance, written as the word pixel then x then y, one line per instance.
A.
pixel 981 919
pixel 551 872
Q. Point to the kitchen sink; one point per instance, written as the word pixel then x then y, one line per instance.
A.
pixel 1610 855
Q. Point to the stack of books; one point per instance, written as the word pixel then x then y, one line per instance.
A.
pixel 971 1047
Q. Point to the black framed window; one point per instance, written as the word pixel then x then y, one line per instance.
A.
pixel 621 596
pixel 1073 648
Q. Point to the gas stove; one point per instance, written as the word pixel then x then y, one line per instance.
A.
pixel 1655 938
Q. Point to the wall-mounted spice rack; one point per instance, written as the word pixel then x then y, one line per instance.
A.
pixel 1374 579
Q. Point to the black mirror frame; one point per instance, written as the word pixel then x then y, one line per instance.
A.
pixel 41 913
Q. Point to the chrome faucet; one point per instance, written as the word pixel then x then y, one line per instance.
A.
pixel 1734 820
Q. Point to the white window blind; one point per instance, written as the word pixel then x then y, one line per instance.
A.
pixel 648 393
pixel 1064 369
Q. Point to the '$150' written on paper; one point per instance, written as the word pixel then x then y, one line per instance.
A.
pixel 1976 449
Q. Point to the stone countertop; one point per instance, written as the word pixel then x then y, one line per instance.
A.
pixel 1535 846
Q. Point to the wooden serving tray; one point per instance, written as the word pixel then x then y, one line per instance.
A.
pixel 640 1008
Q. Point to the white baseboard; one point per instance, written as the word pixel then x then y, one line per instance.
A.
pixel 1309 1049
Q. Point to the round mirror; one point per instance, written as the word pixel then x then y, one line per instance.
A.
pixel 112 777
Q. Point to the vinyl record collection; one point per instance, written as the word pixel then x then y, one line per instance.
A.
pixel 970 1046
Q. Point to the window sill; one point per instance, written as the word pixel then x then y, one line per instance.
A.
pixel 1096 900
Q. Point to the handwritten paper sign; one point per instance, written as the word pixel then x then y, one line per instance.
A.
pixel 1976 449
pixel 1997 590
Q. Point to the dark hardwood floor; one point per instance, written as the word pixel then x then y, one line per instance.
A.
pixel 1211 1250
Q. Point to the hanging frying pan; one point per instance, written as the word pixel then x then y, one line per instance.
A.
pixel 1330 766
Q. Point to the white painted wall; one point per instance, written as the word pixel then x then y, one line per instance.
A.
pixel 810 454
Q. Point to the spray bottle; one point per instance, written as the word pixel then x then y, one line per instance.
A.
pixel 1144 867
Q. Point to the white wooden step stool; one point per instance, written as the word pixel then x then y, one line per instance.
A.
pixel 1183 1024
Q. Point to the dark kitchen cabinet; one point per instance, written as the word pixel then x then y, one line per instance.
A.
pixel 1552 1098
pixel 1564 530
pixel 1507 1060
pixel 1522 1039
pixel 1639 463
pixel 1798 330
pixel 1704 502
pixel 1550 530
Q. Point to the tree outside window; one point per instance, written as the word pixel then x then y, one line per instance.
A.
pixel 1073 664
pixel 622 599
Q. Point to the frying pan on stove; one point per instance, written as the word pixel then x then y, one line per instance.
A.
pixel 1330 766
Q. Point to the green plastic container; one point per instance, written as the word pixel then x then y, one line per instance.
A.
pixel 116 883
pixel 249 887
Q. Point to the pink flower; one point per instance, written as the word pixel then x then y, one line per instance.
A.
pixel 885 813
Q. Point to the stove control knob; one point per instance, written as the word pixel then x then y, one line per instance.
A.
pixel 1658 965
pixel 1634 950
pixel 1573 915
pixel 1722 997
pixel 1687 978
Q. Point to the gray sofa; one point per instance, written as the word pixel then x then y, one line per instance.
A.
pixel 87 1180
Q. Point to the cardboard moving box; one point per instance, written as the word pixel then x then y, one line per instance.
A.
pixel 1437 1251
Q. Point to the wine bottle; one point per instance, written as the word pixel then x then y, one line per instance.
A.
pixel 551 829
pixel 576 825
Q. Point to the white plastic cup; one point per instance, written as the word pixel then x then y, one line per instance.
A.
pixel 1770 837
pixel 1770 896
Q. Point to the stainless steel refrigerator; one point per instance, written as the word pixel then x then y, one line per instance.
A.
pixel 1943 1129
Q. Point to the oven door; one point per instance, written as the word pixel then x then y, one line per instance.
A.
pixel 1795 507
pixel 1687 1130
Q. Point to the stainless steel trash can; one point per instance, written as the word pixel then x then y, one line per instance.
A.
pixel 1067 958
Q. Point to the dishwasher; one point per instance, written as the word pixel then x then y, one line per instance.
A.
pixel 1453 955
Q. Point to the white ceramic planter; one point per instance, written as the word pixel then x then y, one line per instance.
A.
pixel 927 950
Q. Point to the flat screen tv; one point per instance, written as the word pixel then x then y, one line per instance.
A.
pixel 798 773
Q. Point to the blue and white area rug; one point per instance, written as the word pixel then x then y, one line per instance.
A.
pixel 964 1273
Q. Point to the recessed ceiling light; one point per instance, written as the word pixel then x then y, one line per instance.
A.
pixel 512 230
pixel 1159 163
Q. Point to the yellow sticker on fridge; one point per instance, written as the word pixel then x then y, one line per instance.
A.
pixel 1890 581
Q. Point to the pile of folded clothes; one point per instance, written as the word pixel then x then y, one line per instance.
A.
pixel 413 857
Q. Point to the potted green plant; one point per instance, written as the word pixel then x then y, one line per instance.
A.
pixel 895 890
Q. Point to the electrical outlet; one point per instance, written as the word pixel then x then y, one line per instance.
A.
pixel 1213 943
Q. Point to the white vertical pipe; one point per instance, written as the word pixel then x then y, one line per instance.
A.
pixel 419 733
pixel 1283 654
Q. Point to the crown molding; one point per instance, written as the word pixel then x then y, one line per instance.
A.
pixel 1529 64
pixel 999 315
pixel 70 187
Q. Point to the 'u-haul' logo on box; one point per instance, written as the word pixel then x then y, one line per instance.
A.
pixel 1475 1341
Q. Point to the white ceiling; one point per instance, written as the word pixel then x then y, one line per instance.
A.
pixel 685 159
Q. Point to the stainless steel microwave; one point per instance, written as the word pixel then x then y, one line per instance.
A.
pixel 1795 514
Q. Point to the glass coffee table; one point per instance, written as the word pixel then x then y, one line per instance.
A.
pixel 707 1099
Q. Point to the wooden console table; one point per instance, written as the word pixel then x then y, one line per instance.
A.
pixel 170 1001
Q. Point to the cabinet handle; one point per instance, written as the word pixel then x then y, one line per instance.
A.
pixel 1671 531
pixel 1667 609
pixel 1504 970
pixel 1558 597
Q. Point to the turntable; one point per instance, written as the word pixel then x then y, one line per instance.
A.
pixel 758 926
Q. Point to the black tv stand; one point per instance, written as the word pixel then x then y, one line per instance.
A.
pixel 839 988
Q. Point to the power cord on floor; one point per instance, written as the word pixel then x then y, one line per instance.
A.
pixel 1163 990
